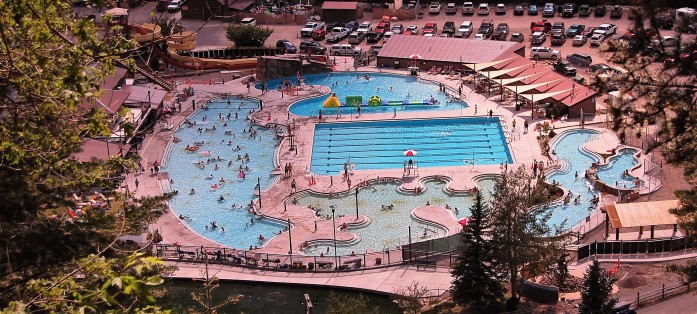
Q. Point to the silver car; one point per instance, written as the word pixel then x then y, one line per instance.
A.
pixel 580 40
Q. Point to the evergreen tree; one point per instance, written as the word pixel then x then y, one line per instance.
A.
pixel 596 291
pixel 476 283
pixel 519 227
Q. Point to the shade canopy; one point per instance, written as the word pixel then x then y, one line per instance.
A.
pixel 497 73
pixel 538 97
pixel 642 214
pixel 524 88
pixel 512 80
pixel 485 65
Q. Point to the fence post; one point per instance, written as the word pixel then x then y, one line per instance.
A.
pixel 663 292
pixel 637 300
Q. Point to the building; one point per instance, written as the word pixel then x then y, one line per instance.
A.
pixel 403 51
pixel 340 11
pixel 206 9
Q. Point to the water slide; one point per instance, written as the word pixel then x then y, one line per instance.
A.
pixel 185 41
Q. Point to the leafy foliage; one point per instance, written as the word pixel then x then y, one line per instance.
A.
pixel 247 35
pixel 409 299
pixel 596 294
pixel 476 283
pixel 344 304
pixel 519 217
pixel 168 25
pixel 204 299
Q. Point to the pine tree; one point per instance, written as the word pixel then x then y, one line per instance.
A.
pixel 596 291
pixel 476 283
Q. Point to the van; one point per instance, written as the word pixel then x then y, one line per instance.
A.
pixel 356 38
pixel 483 9
pixel 345 50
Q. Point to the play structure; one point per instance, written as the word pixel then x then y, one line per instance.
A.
pixel 354 101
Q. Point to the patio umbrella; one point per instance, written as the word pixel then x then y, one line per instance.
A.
pixel 409 153
pixel 416 56
pixel 117 11
pixel 463 221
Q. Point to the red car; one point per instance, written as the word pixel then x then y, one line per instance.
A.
pixel 589 31
pixel 541 26
pixel 431 28
pixel 319 34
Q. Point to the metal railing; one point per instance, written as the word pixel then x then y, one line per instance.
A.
pixel 648 248
pixel 659 295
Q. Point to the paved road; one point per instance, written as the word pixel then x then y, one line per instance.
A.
pixel 684 304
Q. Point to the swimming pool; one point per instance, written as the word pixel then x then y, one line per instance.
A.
pixel 204 205
pixel 386 86
pixel 381 144
pixel 613 173
pixel 388 229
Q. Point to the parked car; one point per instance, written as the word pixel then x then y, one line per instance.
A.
pixel 600 10
pixel 434 8
pixel 501 32
pixel 248 21
pixel 365 27
pixel 664 22
pixel 588 32
pixel 564 67
pixel 346 50
pixel 500 9
pixel 382 27
pixel 532 9
pixel 486 28
pixel 548 10
pixel 580 59
pixel 517 37
pixel 616 12
pixel 579 40
pixel 162 5
pixel 667 41
pixel 451 8
pixel 597 39
pixel 352 26
pixel 606 29
pixel 483 9
pixel 337 34
pixel 310 27
pixel 558 28
pixel 575 29
pixel 397 29
pixel 356 37
pixel 287 46
pixel 558 39
pixel 465 28
pixel 600 68
pixel 412 29
pixel 373 37
pixel 431 28
pixel 518 10
pixel 479 36
pixel 387 36
pixel 569 10
pixel 312 47
pixel 584 10
pixel 319 34
pixel 538 53
pixel 538 38
pixel 449 27
pixel 541 26
pixel 174 5
pixel 468 8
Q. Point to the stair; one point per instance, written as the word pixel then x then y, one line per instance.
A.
pixel 151 76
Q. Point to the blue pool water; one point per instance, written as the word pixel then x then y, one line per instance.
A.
pixel 577 161
pixel 381 144
pixel 612 173
pixel 389 229
pixel 403 88
pixel 204 206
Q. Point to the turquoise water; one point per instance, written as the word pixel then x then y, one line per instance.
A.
pixel 386 86
pixel 204 206
pixel 576 161
pixel 381 144
pixel 388 229
pixel 613 173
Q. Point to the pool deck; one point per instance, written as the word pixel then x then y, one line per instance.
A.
pixel 523 147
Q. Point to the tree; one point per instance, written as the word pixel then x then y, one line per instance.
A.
pixel 409 299
pixel 168 25
pixel 344 304
pixel 247 35
pixel 596 293
pixel 476 283
pixel 561 272
pixel 519 217
pixel 205 298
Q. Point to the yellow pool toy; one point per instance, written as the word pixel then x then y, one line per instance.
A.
pixel 332 102
pixel 374 101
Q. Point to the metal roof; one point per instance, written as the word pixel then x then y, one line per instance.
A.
pixel 642 214
pixel 447 49
pixel 340 5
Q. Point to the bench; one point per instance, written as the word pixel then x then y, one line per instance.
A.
pixel 426 264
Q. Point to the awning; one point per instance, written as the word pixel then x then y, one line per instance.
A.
pixel 512 80
pixel 485 65
pixel 524 88
pixel 99 149
pixel 642 214
pixel 497 73
pixel 532 97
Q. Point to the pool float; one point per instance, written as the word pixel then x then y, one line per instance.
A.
pixel 214 186
pixel 332 102
pixel 354 101
pixel 374 101
pixel 204 153
pixel 192 148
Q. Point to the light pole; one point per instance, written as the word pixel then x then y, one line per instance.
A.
pixel 336 263
pixel 290 242
pixel 356 203
pixel 259 187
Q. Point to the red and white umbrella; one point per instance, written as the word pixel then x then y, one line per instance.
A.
pixel 416 56
pixel 464 221
pixel 409 153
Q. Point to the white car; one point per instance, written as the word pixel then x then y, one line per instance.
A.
pixel 668 41
pixel 429 35
pixel 249 21
pixel 580 40
pixel 479 37
pixel 465 28
pixel 413 29
pixel 538 53
pixel 434 8
pixel 174 5
pixel 468 8
pixel 365 27
pixel 606 29
pixel 451 8
pixel 597 39
pixel 483 9
pixel 387 36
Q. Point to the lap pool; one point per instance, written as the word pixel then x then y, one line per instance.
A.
pixel 381 144
pixel 389 87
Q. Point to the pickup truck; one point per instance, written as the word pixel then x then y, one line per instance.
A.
pixel 486 28
pixel 501 32
pixel 564 67
pixel 374 36
pixel 382 27
pixel 606 29
pixel 337 34
pixel 310 27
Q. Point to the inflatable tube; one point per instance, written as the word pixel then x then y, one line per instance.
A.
pixel 332 102
pixel 192 148
pixel 204 153
pixel 374 101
